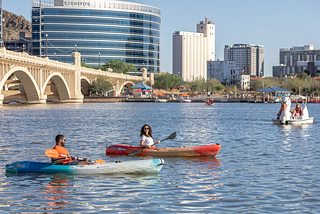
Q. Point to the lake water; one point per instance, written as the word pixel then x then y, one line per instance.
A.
pixel 261 168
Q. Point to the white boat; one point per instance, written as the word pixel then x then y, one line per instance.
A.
pixel 161 100
pixel 185 99
pixel 287 117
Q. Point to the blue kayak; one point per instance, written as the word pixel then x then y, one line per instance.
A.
pixel 151 166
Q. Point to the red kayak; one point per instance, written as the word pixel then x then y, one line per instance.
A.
pixel 195 151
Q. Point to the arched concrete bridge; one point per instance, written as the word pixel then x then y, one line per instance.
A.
pixel 42 79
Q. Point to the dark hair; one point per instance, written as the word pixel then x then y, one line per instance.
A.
pixel 59 137
pixel 142 132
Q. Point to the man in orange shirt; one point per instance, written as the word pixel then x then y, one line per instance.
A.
pixel 65 158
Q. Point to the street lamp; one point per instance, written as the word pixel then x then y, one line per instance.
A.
pixel 46 45
pixel 203 85
pixel 126 86
pixel 241 86
pixel 306 85
pixel 197 86
pixel 210 85
pixel 183 84
pixel 99 60
pixel 121 66
pixel 187 85
pixel 312 88
pixel 285 81
pixel 2 32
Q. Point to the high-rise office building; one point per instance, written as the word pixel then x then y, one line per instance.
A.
pixel 297 60
pixel 249 58
pixel 101 30
pixel 1 24
pixel 191 51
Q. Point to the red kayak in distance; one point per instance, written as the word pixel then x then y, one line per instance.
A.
pixel 194 151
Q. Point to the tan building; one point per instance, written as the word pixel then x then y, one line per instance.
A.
pixel 249 58
pixel 191 51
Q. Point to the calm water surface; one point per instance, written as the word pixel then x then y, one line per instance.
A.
pixel 261 168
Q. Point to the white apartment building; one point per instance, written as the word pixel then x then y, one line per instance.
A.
pixel 191 51
pixel 298 59
pixel 248 57
pixel 223 71
pixel 229 73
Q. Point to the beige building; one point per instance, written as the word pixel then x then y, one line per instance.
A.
pixel 298 59
pixel 191 51
pixel 248 57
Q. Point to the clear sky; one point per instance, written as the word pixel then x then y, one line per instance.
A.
pixel 274 24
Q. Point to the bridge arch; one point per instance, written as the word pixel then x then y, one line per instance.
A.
pixel 29 84
pixel 85 85
pixel 60 84
pixel 123 86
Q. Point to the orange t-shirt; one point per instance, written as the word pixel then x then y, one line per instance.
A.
pixel 63 151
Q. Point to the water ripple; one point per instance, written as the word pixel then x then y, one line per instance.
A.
pixel 261 168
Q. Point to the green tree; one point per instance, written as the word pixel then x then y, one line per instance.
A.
pixel 101 85
pixel 167 81
pixel 83 64
pixel 118 66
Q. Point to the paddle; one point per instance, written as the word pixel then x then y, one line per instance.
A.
pixel 52 153
pixel 136 152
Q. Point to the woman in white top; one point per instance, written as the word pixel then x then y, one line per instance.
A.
pixel 146 139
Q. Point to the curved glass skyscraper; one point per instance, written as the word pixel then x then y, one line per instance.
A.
pixel 101 30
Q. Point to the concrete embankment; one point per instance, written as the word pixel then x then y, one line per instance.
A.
pixel 193 100
pixel 102 99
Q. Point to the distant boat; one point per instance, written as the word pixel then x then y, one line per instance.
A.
pixel 161 100
pixel 186 101
pixel 185 98
pixel 287 117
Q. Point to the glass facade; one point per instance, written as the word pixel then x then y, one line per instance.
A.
pixel 100 30
pixel 1 31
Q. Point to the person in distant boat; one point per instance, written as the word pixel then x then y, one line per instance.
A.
pixel 65 158
pixel 283 107
pixel 211 101
pixel 146 139
pixel 297 111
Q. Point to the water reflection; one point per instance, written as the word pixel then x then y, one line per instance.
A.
pixel 57 190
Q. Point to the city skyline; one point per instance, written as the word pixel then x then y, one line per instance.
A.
pixel 272 24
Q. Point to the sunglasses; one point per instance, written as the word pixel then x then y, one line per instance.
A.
pixel 146 128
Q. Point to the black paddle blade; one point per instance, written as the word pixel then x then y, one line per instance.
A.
pixel 134 153
pixel 172 136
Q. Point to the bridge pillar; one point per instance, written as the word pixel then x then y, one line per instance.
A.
pixel 1 99
pixel 144 74
pixel 75 85
pixel 118 87
pixel 43 99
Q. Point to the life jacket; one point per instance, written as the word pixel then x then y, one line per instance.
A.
pixel 283 107
pixel 63 151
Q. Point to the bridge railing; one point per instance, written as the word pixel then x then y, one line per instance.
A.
pixel 109 74
pixel 25 57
